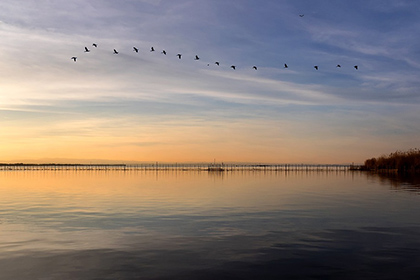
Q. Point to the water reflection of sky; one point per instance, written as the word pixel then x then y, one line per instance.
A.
pixel 400 182
pixel 166 224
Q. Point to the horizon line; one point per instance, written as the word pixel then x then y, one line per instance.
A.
pixel 157 163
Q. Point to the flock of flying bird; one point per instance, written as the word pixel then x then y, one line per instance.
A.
pixel 152 49
pixel 74 58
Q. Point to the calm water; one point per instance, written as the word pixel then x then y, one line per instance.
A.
pixel 199 225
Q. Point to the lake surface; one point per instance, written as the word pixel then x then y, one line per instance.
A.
pixel 201 225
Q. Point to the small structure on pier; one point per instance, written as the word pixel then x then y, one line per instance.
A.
pixel 216 167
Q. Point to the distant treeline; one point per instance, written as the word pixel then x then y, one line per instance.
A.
pixel 399 161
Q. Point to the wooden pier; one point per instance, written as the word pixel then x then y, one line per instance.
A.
pixel 209 167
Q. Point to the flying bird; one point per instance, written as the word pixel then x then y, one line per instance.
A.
pixel 255 67
pixel 115 51
pixel 285 66
pixel 74 58
pixel 196 57
pixel 135 49
pixel 217 63
pixel 316 67
pixel 152 49
pixel 233 67
pixel 301 15
pixel 95 45
pixel 179 55
pixel 338 65
pixel 164 52
pixel 356 67
pixel 86 49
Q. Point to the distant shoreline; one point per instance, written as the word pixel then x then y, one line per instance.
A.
pixel 397 162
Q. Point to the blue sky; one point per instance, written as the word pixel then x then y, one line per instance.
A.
pixel 150 107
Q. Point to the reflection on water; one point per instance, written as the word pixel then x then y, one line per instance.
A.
pixel 402 182
pixel 199 225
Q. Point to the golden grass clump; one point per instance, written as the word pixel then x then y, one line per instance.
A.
pixel 401 161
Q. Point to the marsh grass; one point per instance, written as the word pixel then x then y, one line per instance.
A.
pixel 399 161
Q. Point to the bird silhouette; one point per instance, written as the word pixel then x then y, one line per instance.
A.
pixel 255 67
pixel 135 49
pixel 164 52
pixel 152 49
pixel 86 49
pixel 179 56
pixel 285 66
pixel 196 57
pixel 95 45
pixel 316 67
pixel 301 15
pixel 338 65
pixel 115 51
pixel 74 58
pixel 356 67
pixel 217 63
pixel 233 67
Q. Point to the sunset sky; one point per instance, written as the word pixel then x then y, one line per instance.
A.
pixel 148 106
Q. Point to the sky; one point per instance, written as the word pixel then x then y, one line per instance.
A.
pixel 148 107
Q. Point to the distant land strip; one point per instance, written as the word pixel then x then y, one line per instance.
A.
pixel 210 167
pixel 397 162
